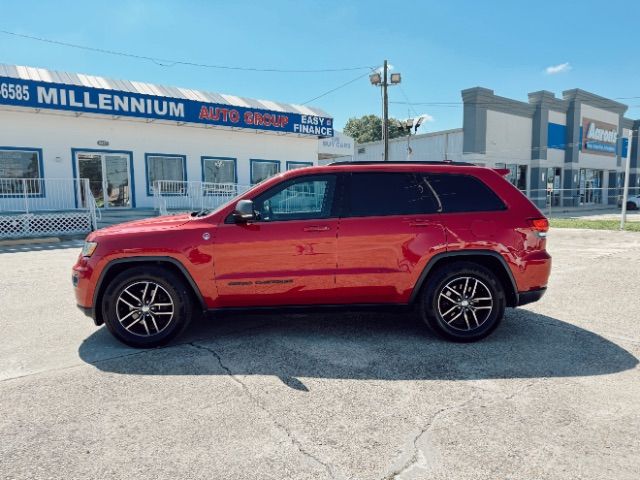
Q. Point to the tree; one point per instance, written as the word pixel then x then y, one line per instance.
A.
pixel 368 128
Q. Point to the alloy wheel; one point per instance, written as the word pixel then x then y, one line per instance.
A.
pixel 465 303
pixel 144 308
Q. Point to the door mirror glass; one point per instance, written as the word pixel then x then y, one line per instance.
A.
pixel 244 211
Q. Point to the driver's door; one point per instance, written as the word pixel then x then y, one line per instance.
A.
pixel 287 256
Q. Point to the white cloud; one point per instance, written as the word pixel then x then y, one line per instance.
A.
pixel 428 118
pixel 555 69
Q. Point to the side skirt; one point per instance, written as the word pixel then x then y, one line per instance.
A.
pixel 285 309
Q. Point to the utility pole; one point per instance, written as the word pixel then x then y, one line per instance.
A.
pixel 627 168
pixel 385 112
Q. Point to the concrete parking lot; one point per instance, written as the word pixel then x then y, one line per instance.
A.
pixel 552 394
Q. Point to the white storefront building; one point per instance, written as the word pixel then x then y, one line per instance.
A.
pixel 132 144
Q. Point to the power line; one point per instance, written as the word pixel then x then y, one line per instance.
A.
pixel 164 62
pixel 498 102
pixel 404 94
pixel 336 88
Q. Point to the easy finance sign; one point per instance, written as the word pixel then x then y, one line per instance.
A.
pixel 55 96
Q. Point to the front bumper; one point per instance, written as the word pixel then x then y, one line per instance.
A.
pixel 530 296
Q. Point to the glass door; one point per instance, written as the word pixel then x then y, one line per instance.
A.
pixel 109 178
pixel 116 168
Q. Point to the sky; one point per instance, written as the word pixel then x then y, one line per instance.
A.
pixel 439 47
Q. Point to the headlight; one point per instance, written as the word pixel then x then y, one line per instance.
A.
pixel 88 248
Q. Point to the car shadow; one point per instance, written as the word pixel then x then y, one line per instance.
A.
pixel 359 346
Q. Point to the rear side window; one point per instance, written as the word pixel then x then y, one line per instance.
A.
pixel 464 193
pixel 382 194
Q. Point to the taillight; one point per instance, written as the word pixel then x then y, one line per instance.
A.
pixel 540 225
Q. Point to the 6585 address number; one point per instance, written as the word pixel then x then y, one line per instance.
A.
pixel 14 92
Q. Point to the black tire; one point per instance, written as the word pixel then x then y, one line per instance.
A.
pixel 473 322
pixel 632 206
pixel 171 294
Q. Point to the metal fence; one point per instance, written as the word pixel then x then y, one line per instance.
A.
pixel 569 199
pixel 32 207
pixel 180 196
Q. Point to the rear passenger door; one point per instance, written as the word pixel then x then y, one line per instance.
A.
pixel 388 231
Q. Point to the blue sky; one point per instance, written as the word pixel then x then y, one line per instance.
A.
pixel 439 47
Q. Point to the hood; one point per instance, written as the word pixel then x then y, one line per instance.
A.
pixel 148 224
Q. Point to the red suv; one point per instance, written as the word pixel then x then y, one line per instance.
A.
pixel 455 242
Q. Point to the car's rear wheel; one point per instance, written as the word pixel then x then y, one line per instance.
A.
pixel 146 307
pixel 632 205
pixel 463 302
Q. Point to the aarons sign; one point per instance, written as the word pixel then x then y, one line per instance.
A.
pixel 599 137
pixel 55 96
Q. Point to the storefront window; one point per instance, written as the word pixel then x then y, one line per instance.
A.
pixel 294 165
pixel 517 174
pixel 590 186
pixel 170 168
pixel 219 170
pixel 554 186
pixel 16 165
pixel 263 169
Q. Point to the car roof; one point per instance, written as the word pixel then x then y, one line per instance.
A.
pixel 421 166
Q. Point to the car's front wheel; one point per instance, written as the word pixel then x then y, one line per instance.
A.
pixel 463 302
pixel 146 306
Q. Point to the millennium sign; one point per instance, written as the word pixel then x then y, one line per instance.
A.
pixel 54 96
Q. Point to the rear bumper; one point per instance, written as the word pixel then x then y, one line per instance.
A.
pixel 530 296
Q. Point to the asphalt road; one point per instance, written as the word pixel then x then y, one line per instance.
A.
pixel 553 394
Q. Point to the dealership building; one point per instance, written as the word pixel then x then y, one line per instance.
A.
pixel 70 140
pixel 563 152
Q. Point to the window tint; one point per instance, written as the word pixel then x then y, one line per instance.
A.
pixel 464 193
pixel 299 199
pixel 373 193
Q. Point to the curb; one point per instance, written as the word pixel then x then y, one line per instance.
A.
pixel 28 241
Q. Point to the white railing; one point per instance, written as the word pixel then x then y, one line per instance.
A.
pixel 179 196
pixel 26 195
pixel 46 206
pixel 580 198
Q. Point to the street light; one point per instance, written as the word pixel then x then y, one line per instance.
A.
pixel 375 80
pixel 408 125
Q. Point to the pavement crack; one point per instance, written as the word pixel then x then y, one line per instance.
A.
pixel 247 391
pixel 414 459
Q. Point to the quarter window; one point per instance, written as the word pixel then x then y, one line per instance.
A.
pixel 464 193
pixel 299 199
pixel 263 169
pixel 16 165
pixel 170 169
pixel 381 194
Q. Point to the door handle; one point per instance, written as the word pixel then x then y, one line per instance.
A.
pixel 316 228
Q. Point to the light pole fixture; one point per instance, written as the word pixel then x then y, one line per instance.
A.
pixel 412 124
pixel 384 81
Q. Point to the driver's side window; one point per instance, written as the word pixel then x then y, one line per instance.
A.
pixel 308 197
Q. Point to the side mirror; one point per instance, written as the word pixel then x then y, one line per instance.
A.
pixel 244 211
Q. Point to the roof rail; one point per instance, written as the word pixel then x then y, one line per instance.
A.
pixel 403 162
